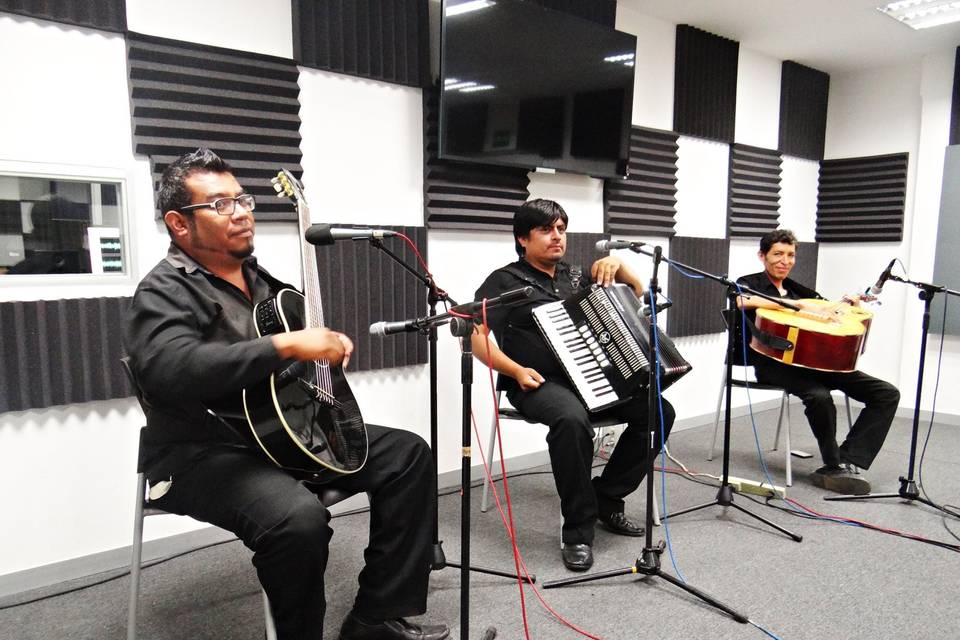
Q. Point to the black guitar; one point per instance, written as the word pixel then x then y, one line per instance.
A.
pixel 304 417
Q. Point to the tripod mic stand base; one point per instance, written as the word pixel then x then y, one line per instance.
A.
pixel 440 562
pixel 725 499
pixel 649 564
pixel 908 491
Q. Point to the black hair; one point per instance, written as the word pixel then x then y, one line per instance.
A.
pixel 532 215
pixel 773 237
pixel 172 194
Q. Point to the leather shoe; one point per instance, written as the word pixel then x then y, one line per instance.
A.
pixel 397 629
pixel 620 524
pixel 577 557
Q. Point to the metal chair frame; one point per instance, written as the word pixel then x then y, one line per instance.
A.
pixel 507 412
pixel 142 508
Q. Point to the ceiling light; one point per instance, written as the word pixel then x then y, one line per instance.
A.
pixel 467 7
pixel 921 14
pixel 457 84
pixel 623 57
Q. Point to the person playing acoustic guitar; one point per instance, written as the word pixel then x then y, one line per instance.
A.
pixel 841 463
pixel 194 349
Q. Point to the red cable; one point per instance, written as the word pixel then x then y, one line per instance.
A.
pixel 511 530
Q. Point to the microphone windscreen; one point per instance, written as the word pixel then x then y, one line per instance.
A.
pixel 319 234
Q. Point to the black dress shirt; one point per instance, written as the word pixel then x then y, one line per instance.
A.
pixel 193 346
pixel 514 327
pixel 761 282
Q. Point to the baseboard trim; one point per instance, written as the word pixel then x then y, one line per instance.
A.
pixel 117 559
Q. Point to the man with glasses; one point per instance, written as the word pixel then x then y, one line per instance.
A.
pixel 194 347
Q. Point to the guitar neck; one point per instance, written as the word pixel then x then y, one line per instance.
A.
pixel 313 309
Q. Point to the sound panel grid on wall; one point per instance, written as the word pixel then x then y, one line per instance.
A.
pixel 645 203
pixel 582 250
pixel 803 111
pixel 465 195
pixel 600 11
pixel 705 84
pixel 59 352
pixel 697 302
pixel 862 199
pixel 109 15
pixel 244 106
pixel 361 285
pixel 378 39
pixel 753 195
pixel 805 270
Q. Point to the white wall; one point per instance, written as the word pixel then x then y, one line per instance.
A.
pixel 936 82
pixel 71 468
pixel 758 100
pixel 871 113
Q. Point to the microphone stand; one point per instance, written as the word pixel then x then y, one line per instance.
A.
pixel 908 486
pixel 435 295
pixel 649 561
pixel 462 328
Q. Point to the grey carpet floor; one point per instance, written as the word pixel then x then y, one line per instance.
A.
pixel 840 582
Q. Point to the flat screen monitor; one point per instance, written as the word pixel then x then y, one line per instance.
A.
pixel 531 87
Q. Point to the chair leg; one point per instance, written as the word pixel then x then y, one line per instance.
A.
pixel 789 464
pixel 270 630
pixel 776 437
pixel 136 558
pixel 846 400
pixel 716 416
pixel 486 479
pixel 656 509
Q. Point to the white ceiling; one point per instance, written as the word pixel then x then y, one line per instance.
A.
pixel 835 36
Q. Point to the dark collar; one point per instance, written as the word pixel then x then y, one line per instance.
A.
pixel 562 267
pixel 180 259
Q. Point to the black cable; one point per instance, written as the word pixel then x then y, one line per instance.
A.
pixel 947 527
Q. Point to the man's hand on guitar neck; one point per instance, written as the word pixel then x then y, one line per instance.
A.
pixel 315 343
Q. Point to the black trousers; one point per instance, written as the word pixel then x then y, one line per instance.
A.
pixel 281 520
pixel 813 387
pixel 570 444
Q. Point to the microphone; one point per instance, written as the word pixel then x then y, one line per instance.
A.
pixel 469 309
pixel 323 234
pixel 384 328
pixel 514 295
pixel 878 287
pixel 609 245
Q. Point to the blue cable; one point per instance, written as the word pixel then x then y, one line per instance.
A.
pixel 663 438
pixel 769 633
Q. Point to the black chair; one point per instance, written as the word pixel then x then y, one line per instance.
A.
pixel 507 412
pixel 143 508
pixel 748 378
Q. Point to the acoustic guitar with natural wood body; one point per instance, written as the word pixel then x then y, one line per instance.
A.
pixel 829 338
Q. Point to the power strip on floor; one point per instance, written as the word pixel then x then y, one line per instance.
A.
pixel 757 488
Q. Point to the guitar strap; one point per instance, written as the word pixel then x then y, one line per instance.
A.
pixel 576 273
pixel 767 339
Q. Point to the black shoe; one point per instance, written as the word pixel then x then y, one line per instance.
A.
pixel 577 557
pixel 844 478
pixel 397 629
pixel 620 524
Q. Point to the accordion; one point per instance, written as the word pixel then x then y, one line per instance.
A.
pixel 602 341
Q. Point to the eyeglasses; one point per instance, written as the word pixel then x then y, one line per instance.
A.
pixel 225 206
